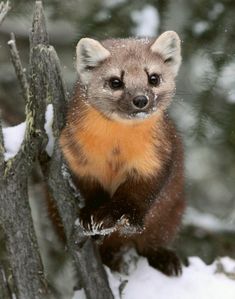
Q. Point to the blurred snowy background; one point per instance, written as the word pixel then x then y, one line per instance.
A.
pixel 203 108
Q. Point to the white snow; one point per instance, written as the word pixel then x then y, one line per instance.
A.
pixel 80 295
pixel 228 265
pixel 13 138
pixel 198 281
pixel 10 42
pixel 48 128
pixel 147 21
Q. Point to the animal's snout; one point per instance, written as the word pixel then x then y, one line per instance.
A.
pixel 140 102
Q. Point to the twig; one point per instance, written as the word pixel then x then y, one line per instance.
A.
pixel 4 289
pixel 20 71
pixel 2 150
pixel 4 8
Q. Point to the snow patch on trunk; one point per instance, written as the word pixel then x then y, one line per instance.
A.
pixel 13 138
pixel 49 116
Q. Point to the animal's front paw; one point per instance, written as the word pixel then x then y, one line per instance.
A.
pixel 166 261
pixel 101 222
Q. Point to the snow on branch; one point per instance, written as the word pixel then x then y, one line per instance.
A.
pixel 13 138
pixel 49 130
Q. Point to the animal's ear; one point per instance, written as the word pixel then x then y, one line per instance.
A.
pixel 90 53
pixel 168 46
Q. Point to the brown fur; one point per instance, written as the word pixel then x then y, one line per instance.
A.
pixel 123 167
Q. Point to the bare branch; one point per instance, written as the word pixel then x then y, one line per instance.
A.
pixel 58 90
pixel 20 238
pixel 20 71
pixel 4 290
pixel 2 150
pixel 4 8
pixel 39 33
pixel 35 137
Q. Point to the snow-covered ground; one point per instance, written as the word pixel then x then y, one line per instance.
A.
pixel 198 281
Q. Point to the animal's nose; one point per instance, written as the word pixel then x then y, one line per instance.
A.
pixel 140 102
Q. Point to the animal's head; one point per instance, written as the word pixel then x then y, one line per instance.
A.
pixel 129 78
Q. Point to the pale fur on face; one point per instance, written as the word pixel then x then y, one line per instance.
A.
pixel 132 60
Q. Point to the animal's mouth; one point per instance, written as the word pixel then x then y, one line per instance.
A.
pixel 132 117
pixel 143 114
pixel 138 115
pixel 131 114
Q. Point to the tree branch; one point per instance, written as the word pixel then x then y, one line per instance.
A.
pixel 2 150
pixel 4 9
pixel 20 71
pixel 15 213
pixel 39 33
pixel 4 289
pixel 21 244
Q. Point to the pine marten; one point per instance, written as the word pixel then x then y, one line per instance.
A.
pixel 123 150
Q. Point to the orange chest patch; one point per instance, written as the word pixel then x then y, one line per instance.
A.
pixel 110 150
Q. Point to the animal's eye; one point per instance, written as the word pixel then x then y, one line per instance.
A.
pixel 154 79
pixel 115 83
